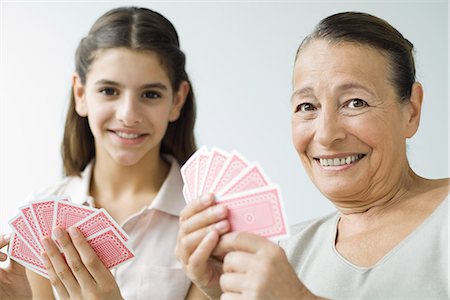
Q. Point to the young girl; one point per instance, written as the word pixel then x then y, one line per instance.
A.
pixel 129 128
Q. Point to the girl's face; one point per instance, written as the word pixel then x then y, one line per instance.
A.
pixel 347 123
pixel 128 100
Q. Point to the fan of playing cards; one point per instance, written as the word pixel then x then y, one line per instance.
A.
pixel 254 204
pixel 37 220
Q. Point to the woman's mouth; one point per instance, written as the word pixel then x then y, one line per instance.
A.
pixel 339 161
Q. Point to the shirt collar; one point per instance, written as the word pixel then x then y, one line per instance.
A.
pixel 169 198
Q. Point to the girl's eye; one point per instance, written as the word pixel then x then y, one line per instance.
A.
pixel 108 91
pixel 357 103
pixel 304 107
pixel 151 95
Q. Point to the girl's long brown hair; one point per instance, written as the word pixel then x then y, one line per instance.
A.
pixel 139 29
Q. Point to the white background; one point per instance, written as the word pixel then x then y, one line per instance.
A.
pixel 239 56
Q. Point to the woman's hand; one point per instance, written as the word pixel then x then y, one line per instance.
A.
pixel 13 280
pixel 83 276
pixel 201 224
pixel 256 268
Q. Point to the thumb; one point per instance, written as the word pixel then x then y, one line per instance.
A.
pixel 16 268
pixel 4 240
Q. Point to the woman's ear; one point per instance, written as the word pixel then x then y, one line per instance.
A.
pixel 79 95
pixel 178 101
pixel 413 109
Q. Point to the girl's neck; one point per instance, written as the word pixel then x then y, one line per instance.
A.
pixel 111 180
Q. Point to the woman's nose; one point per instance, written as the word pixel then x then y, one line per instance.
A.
pixel 329 127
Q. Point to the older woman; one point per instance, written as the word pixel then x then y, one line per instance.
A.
pixel 354 103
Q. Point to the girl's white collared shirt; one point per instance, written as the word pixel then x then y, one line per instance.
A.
pixel 155 273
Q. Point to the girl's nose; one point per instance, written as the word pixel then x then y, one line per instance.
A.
pixel 128 111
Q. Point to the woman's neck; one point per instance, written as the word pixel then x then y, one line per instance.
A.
pixel 380 196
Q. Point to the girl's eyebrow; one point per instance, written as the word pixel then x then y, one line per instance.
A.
pixel 157 85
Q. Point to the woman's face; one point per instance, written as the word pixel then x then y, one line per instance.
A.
pixel 348 125
pixel 129 101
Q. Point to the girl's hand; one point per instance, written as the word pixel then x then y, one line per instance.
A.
pixel 83 276
pixel 13 280
pixel 201 224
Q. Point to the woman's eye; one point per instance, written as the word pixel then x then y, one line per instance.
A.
pixel 357 103
pixel 108 91
pixel 305 107
pixel 151 95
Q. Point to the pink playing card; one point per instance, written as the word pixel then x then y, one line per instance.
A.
pixel 22 230
pixel 186 194
pixel 201 171
pixel 257 211
pixel 21 253
pixel 42 211
pixel 189 173
pixel 110 248
pixel 214 165
pixel 251 178
pixel 30 220
pixel 67 214
pixel 98 221
pixel 235 164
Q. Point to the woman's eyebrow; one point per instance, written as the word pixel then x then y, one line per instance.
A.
pixel 302 92
pixel 354 86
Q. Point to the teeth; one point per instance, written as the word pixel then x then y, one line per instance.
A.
pixel 340 161
pixel 127 135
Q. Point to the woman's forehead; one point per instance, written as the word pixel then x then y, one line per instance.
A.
pixel 344 57
pixel 340 65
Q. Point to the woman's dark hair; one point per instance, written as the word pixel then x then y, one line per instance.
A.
pixel 365 29
pixel 138 29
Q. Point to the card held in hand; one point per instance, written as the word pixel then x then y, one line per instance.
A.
pixel 67 214
pixel 110 248
pixel 21 253
pixel 97 222
pixel 259 211
pixel 253 202
pixel 40 217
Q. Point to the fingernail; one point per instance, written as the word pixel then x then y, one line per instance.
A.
pixel 44 257
pixel 206 198
pixel 219 210
pixel 45 243
pixel 222 225
pixel 7 237
pixel 73 232
pixel 58 232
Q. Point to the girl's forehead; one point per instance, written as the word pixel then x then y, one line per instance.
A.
pixel 127 65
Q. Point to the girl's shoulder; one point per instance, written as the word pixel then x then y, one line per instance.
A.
pixel 75 187
pixel 57 189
